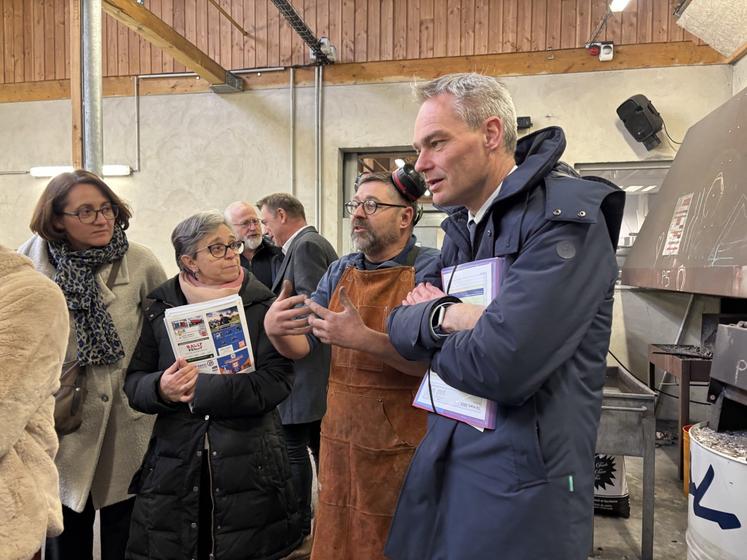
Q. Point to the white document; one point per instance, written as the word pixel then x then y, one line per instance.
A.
pixel 213 335
pixel 476 283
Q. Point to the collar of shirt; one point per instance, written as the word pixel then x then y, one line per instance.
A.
pixel 400 260
pixel 477 218
pixel 287 244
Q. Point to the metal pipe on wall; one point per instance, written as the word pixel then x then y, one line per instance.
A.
pixel 292 95
pixel 318 87
pixel 91 86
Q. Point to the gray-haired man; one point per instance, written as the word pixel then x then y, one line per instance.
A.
pixel 525 488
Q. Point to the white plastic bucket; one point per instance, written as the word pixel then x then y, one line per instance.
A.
pixel 717 502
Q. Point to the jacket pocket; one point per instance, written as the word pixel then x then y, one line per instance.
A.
pixel 523 427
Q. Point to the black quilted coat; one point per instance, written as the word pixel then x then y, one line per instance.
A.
pixel 255 516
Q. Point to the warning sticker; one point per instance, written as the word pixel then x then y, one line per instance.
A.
pixel 677 225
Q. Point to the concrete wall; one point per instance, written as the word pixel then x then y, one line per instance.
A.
pixel 740 75
pixel 204 150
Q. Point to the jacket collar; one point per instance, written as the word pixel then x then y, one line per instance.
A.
pixel 306 230
pixel 536 155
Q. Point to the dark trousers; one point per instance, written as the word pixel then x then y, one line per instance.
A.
pixel 299 438
pixel 76 540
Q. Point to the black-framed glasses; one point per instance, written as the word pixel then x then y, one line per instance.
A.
pixel 246 223
pixel 370 206
pixel 219 250
pixel 89 215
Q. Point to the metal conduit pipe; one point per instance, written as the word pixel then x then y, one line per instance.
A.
pixel 137 124
pixel 318 83
pixel 91 87
pixel 292 118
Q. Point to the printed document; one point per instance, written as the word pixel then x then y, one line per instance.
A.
pixel 476 283
pixel 213 335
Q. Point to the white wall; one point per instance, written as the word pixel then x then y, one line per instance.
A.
pixel 202 151
pixel 740 75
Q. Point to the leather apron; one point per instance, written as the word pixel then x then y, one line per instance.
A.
pixel 370 431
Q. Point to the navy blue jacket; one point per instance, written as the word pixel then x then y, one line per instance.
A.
pixel 525 489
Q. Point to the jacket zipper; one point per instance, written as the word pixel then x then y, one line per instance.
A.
pixel 212 499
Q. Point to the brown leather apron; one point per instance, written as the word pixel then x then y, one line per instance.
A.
pixel 370 431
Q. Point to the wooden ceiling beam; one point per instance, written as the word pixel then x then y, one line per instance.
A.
pixel 158 33
pixel 566 61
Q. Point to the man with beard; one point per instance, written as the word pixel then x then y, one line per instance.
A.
pixel 306 256
pixel 260 257
pixel 371 429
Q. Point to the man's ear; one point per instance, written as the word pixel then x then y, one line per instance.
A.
pixel 493 133
pixel 407 217
pixel 281 215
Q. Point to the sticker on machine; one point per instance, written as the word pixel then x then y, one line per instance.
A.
pixel 677 225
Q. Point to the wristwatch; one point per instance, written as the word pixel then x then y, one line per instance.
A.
pixel 437 319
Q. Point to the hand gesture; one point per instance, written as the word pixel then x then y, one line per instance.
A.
pixel 282 319
pixel 344 328
pixel 178 382
pixel 423 292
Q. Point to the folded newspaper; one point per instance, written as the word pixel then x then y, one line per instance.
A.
pixel 213 335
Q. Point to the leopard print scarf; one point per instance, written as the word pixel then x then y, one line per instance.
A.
pixel 98 341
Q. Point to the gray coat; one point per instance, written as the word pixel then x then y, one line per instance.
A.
pixel 306 261
pixel 100 458
pixel 523 490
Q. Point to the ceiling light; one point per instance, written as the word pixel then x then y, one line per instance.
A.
pixel 618 5
pixel 399 162
pixel 115 170
pixel 649 188
pixel 633 188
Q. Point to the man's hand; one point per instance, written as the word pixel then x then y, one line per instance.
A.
pixel 282 319
pixel 345 329
pixel 422 293
pixel 461 317
pixel 177 384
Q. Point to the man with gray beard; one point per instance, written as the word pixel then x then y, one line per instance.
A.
pixel 370 430
pixel 260 257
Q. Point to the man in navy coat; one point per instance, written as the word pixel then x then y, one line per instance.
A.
pixel 524 490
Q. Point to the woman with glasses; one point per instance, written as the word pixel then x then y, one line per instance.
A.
pixel 80 242
pixel 215 482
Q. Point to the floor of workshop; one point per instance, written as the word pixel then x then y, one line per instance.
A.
pixel 620 539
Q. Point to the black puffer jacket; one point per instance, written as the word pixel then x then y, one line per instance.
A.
pixel 255 513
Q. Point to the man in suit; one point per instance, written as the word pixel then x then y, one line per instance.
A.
pixel 260 257
pixel 307 255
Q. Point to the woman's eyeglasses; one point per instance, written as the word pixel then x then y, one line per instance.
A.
pixel 89 215
pixel 219 250
pixel 370 206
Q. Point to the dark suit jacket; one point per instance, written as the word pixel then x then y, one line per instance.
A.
pixel 306 261
pixel 265 260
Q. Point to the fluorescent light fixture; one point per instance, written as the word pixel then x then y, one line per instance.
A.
pixel 115 170
pixel 618 5
pixel 50 170
pixel 399 162
pixel 634 188
pixel 649 188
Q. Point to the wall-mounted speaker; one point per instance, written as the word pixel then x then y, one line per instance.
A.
pixel 641 119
